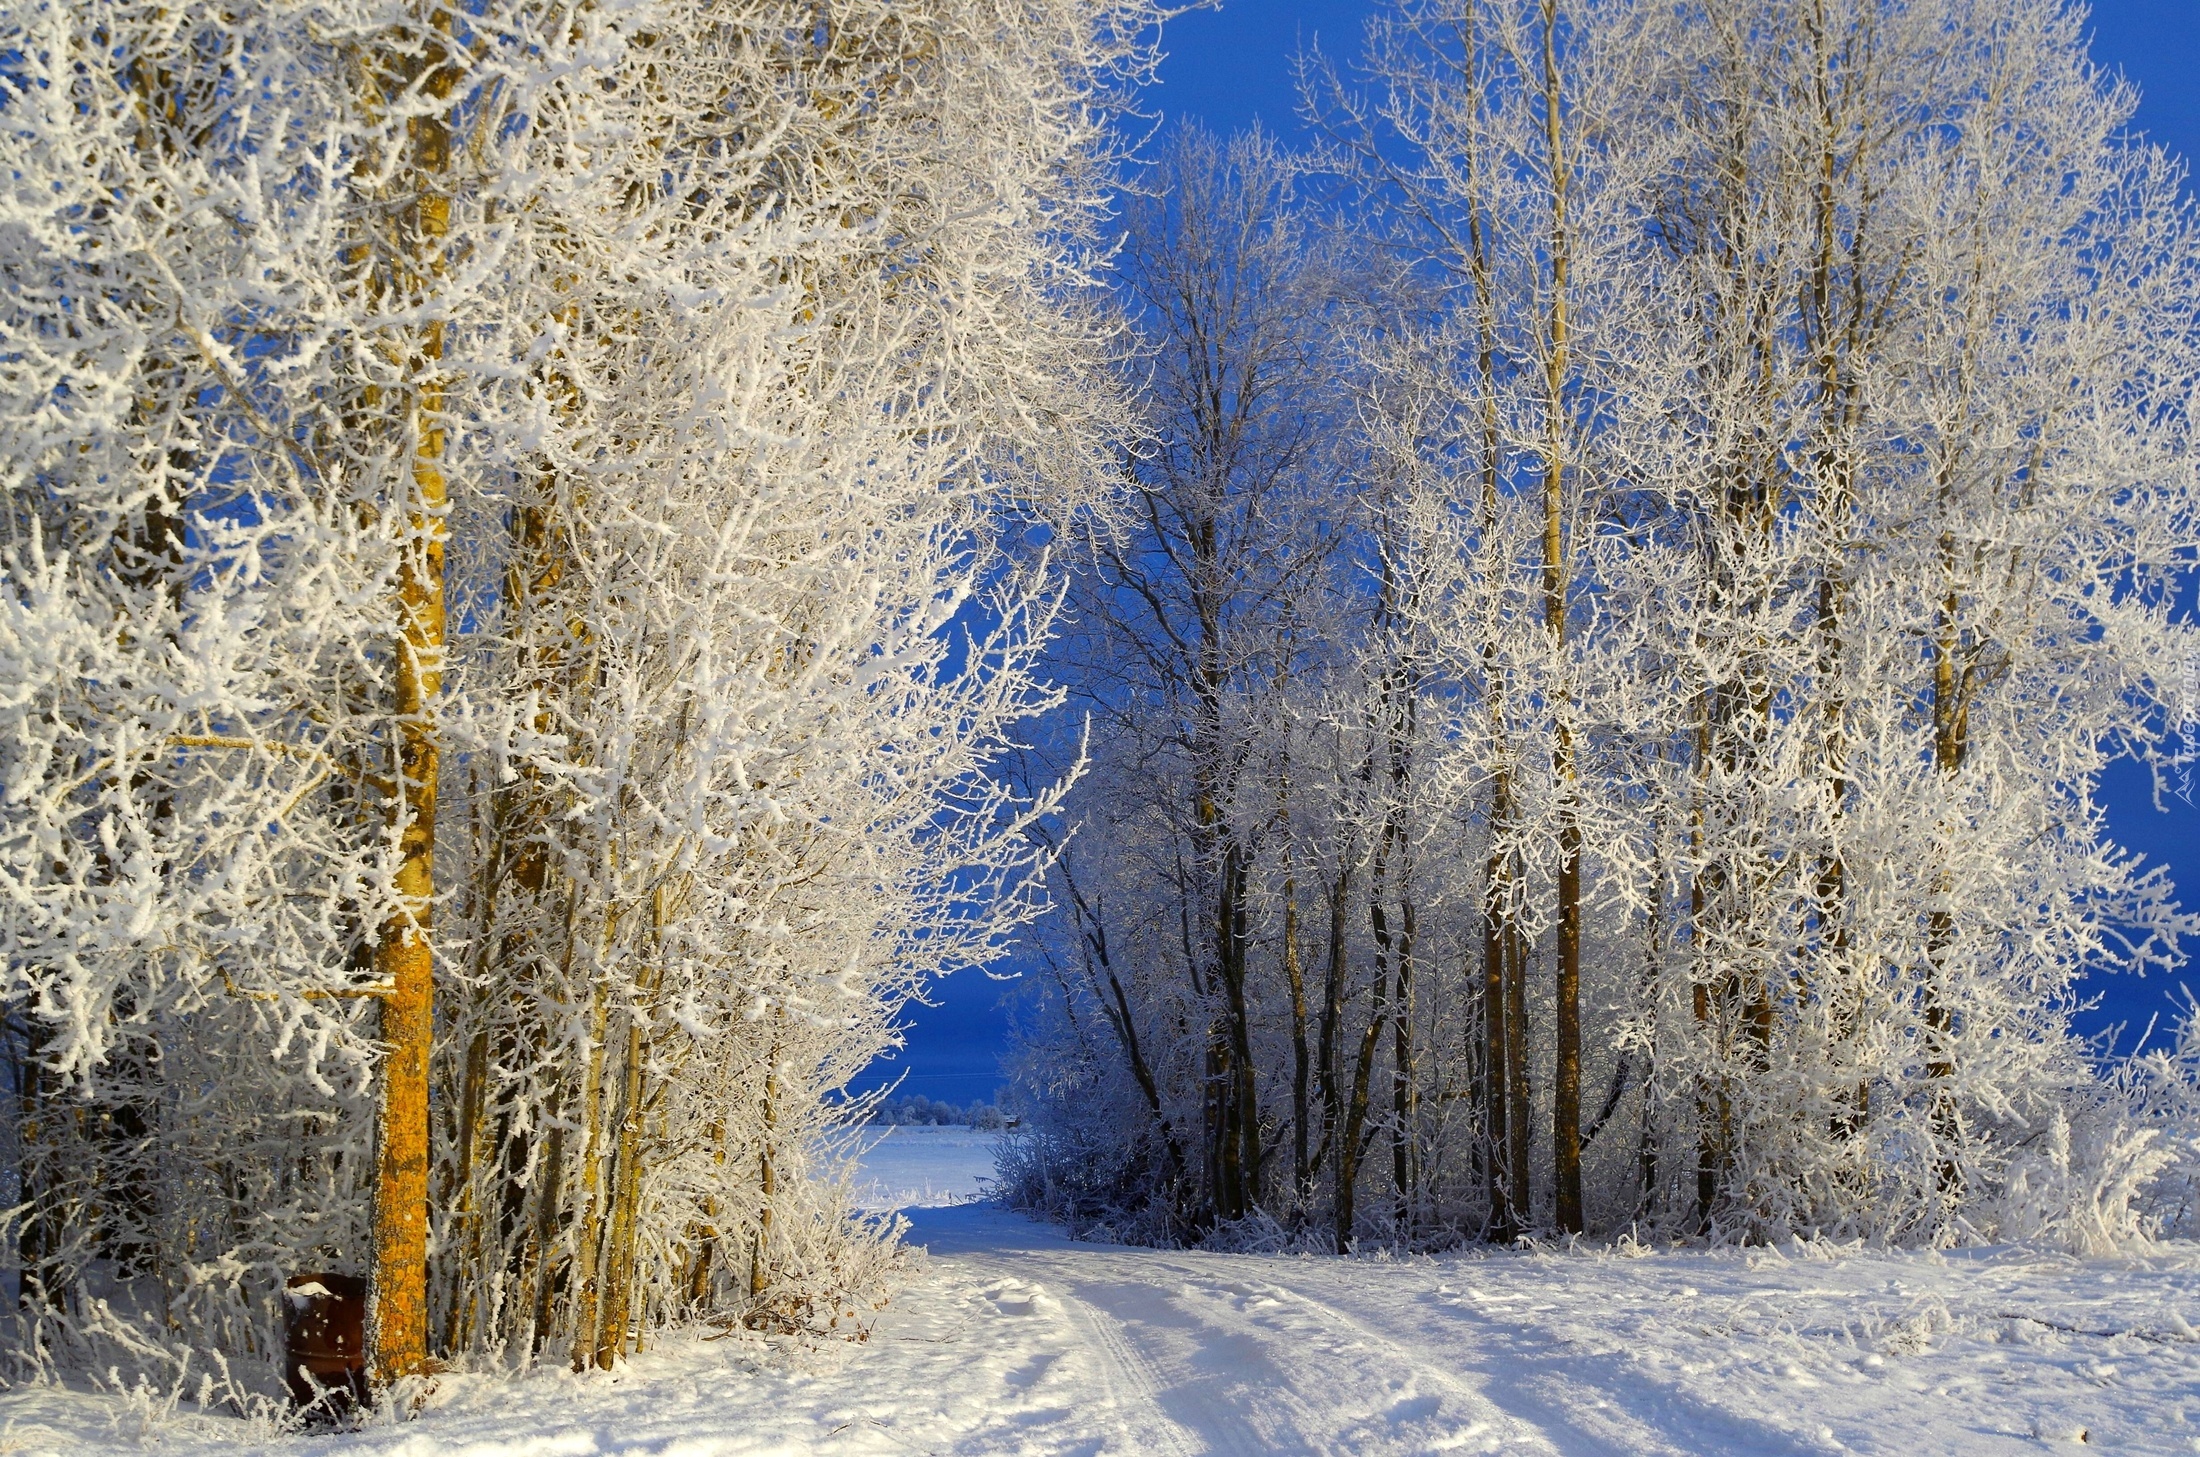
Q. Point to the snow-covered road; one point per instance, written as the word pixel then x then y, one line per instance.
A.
pixel 1015 1340
pixel 1088 1349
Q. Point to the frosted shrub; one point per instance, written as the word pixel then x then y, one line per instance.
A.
pixel 2158 1090
pixel 2086 1193
pixel 1098 1176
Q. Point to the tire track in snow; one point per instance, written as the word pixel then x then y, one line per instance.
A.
pixel 1251 1367
pixel 1496 1430
pixel 1144 1373
pixel 1253 1354
pixel 1130 1419
pixel 1586 1401
pixel 1571 1416
pixel 1132 1372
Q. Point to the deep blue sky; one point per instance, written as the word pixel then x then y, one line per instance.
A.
pixel 1231 67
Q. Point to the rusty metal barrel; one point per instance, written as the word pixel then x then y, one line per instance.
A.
pixel 325 1340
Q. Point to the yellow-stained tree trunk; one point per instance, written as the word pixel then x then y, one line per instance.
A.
pixel 397 1309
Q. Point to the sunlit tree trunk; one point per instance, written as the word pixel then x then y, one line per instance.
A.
pixel 397 1332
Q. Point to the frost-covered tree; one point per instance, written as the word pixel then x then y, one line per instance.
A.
pixel 1774 488
pixel 1202 600
pixel 510 621
pixel 1943 395
pixel 737 834
pixel 200 559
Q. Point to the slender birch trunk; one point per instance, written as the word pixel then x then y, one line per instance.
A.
pixel 1504 1219
pixel 1501 1107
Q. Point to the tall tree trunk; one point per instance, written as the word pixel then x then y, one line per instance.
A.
pixel 397 1303
pixel 1951 741
pixel 623 1255
pixel 539 1264
pixel 1558 344
pixel 467 1222
pixel 1852 1110
pixel 1405 1092
pixel 1241 1152
pixel 1566 1075
pixel 1709 1055
pixel 1353 1135
pixel 463 1193
pixel 1709 1097
pixel 1117 1009
pixel 1402 689
pixel 1329 1042
pixel 1351 1140
pixel 542 1264
pixel 1646 1147
pixel 1500 1109
pixel 1396 950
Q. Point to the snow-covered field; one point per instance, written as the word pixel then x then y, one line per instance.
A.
pixel 922 1167
pixel 1017 1341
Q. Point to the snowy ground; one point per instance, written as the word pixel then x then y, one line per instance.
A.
pixel 1017 1341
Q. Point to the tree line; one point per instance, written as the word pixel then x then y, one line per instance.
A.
pixel 1650 531
pixel 520 572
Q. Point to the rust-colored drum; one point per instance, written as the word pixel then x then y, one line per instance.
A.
pixel 325 1333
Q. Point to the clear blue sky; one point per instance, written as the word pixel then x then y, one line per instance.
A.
pixel 1232 66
